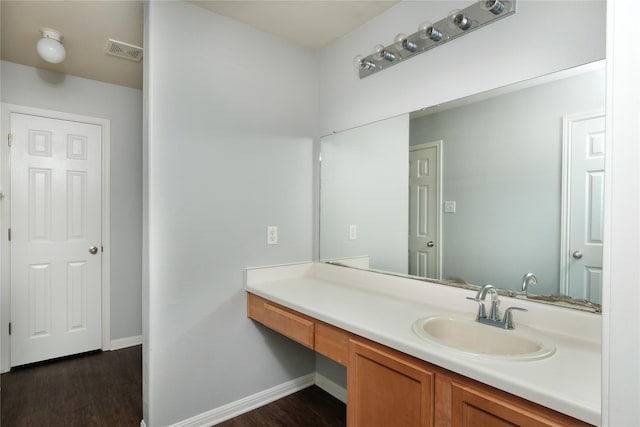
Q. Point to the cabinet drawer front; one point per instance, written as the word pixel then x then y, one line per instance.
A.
pixel 281 319
pixel 332 342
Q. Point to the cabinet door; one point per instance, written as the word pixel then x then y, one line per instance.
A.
pixel 480 406
pixel 387 388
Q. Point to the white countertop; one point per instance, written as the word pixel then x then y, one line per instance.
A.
pixel 383 308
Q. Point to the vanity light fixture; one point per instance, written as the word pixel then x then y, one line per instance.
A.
pixel 494 6
pixel 426 30
pixel 430 35
pixel 380 52
pixel 363 64
pixel 459 20
pixel 50 46
pixel 402 42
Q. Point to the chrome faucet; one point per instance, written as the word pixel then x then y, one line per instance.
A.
pixel 494 318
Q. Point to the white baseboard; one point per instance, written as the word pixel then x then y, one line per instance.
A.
pixel 126 342
pixel 331 387
pixel 248 403
pixel 142 424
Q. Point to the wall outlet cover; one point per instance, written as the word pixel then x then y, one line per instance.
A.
pixel 272 235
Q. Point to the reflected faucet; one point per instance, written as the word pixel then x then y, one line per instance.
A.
pixel 528 280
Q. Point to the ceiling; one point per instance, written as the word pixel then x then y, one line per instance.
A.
pixel 86 25
pixel 308 23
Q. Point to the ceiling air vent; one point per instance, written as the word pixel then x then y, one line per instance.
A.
pixel 123 50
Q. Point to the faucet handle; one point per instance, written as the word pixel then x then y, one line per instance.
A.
pixel 481 311
pixel 508 317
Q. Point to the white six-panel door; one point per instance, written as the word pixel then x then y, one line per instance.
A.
pixel 424 183
pixel 583 193
pixel 55 238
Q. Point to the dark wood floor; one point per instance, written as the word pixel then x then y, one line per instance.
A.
pixel 105 389
pixel 311 407
pixel 95 389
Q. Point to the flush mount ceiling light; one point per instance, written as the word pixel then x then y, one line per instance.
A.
pixel 50 46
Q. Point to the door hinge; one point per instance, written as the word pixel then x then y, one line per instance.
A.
pixel 101 248
pixel 9 234
pixel 10 138
pixel 9 328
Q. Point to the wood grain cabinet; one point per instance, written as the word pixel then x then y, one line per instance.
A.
pixel 288 322
pixel 332 342
pixel 388 388
pixel 324 338
pixel 475 404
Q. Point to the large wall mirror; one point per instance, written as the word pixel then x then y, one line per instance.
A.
pixel 503 187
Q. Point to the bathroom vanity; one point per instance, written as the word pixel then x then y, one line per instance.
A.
pixel 363 321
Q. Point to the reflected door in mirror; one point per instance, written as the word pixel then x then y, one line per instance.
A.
pixel 584 194
pixel 424 202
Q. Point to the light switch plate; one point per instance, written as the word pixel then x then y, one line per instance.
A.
pixel 450 206
pixel 353 232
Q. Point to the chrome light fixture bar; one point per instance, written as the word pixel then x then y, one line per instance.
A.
pixel 430 35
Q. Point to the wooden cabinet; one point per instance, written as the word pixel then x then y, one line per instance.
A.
pixel 288 322
pixel 332 342
pixel 475 404
pixel 388 388
pixel 324 338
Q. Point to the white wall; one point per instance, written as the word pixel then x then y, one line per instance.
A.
pixel 232 115
pixel 621 296
pixel 537 40
pixel 123 107
pixel 361 167
pixel 541 37
pixel 502 164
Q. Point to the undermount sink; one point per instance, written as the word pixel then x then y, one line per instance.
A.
pixel 475 339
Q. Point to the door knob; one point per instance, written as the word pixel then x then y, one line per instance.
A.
pixel 430 244
pixel 577 254
pixel 93 250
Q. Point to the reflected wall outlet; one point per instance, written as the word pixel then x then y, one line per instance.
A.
pixel 272 235
pixel 353 232
pixel 450 206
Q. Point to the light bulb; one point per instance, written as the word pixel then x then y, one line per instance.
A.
pixel 402 42
pixel 494 6
pixel 458 20
pixel 380 53
pixel 50 47
pixel 363 64
pixel 427 31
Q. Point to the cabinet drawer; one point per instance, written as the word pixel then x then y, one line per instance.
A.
pixel 289 323
pixel 332 342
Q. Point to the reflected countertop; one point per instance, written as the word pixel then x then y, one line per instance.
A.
pixel 383 308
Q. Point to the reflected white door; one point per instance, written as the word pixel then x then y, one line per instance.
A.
pixel 424 184
pixel 584 140
pixel 55 238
